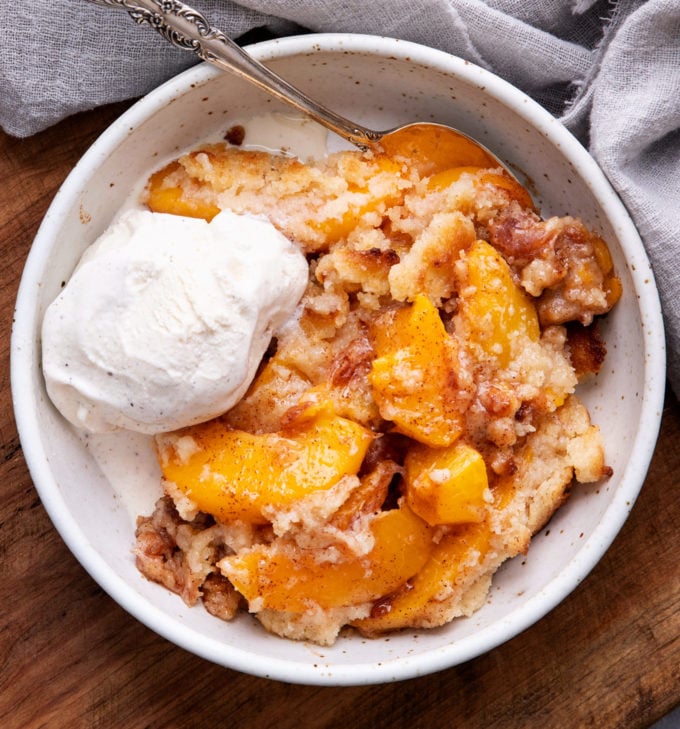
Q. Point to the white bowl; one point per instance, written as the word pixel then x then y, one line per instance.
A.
pixel 378 82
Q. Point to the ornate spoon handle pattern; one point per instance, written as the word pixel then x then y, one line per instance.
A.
pixel 188 29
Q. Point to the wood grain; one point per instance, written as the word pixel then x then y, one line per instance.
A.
pixel 608 656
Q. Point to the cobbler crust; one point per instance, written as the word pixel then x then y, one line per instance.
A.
pixel 376 237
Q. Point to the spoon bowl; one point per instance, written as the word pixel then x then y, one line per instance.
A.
pixel 432 148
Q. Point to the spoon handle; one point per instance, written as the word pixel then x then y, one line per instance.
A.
pixel 188 29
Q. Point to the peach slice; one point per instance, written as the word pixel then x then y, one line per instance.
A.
pixel 446 485
pixel 413 376
pixel 497 316
pixel 233 474
pixel 282 576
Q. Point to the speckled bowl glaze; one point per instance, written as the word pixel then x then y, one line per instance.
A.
pixel 380 82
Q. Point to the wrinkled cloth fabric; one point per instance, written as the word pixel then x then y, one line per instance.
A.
pixel 609 70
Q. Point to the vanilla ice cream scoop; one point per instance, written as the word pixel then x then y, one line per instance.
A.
pixel 166 319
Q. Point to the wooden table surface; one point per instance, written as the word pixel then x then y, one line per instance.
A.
pixel 608 656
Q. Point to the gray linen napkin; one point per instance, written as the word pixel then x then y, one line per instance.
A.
pixel 609 70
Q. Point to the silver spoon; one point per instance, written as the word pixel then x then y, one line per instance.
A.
pixel 428 146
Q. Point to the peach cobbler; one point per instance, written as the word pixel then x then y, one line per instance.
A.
pixel 413 425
